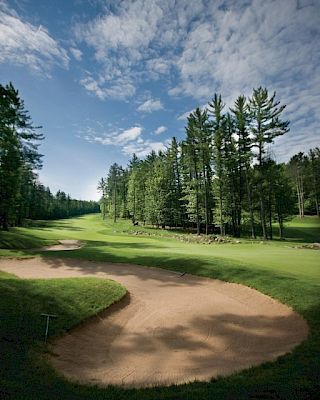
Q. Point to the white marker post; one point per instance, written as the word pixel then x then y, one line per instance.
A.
pixel 48 316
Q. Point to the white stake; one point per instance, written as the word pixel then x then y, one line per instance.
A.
pixel 48 316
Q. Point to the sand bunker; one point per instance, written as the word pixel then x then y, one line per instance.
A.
pixel 64 245
pixel 168 329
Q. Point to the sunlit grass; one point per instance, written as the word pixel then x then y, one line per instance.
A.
pixel 281 269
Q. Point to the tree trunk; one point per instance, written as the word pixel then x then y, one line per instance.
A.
pixel 298 195
pixel 270 209
pixel 253 233
pixel 115 206
pixel 270 222
pixel 206 200
pixel 197 192
pixel 315 192
pixel 280 220
pixel 221 213
pixel 262 209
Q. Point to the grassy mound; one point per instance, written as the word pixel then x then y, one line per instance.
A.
pixel 22 327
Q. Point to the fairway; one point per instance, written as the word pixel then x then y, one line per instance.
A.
pixel 282 269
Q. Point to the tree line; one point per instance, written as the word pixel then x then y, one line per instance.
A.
pixel 21 195
pixel 220 177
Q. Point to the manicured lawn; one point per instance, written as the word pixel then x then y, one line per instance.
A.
pixel 281 269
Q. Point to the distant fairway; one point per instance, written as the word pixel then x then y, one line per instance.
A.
pixel 281 269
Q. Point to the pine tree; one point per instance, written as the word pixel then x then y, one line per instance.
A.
pixel 219 126
pixel 18 152
pixel 265 126
pixel 314 167
pixel 241 116
pixel 197 170
pixel 297 171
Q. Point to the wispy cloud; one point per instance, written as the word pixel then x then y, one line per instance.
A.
pixel 77 54
pixel 269 43
pixel 150 106
pixel 120 88
pixel 160 129
pixel 145 147
pixel 137 39
pixel 117 138
pixel 22 43
pixel 129 140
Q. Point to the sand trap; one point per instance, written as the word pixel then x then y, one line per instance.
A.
pixel 64 245
pixel 168 329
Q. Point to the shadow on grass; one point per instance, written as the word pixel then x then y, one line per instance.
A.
pixel 18 240
pixel 294 376
pixel 303 234
pixel 55 224
pixel 22 329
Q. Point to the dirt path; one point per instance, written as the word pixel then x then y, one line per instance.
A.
pixel 168 329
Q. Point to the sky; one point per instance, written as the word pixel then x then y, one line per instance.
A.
pixel 106 79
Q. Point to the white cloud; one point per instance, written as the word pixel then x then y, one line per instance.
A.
pixel 77 54
pixel 150 105
pixel 117 138
pixel 244 45
pixel 128 140
pixel 120 89
pixel 144 148
pixel 202 47
pixel 129 135
pixel 129 40
pixel 160 129
pixel 131 27
pixel 158 66
pixel 22 43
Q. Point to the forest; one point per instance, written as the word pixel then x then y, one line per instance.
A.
pixel 221 177
pixel 22 196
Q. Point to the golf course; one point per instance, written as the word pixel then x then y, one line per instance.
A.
pixel 159 200
pixel 273 315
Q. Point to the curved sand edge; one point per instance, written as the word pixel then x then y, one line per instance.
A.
pixel 64 244
pixel 169 329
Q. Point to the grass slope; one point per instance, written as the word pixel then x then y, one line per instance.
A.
pixel 280 268
pixel 22 373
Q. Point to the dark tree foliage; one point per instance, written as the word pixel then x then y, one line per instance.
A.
pixel 220 178
pixel 304 173
pixel 21 195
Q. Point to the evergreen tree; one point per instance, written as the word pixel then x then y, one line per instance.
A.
pixel 197 170
pixel 265 126
pixel 297 171
pixel 18 151
pixel 219 130
pixel 241 116
pixel 102 186
pixel 314 173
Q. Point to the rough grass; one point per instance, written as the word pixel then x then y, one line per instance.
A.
pixel 281 269
pixel 22 328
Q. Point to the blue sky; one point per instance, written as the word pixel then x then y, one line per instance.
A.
pixel 109 78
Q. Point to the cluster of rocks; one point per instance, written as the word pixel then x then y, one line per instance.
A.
pixel 312 246
pixel 190 238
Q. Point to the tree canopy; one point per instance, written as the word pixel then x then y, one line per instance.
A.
pixel 21 194
pixel 220 177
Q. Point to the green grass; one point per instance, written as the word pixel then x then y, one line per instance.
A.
pixel 23 372
pixel 281 269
